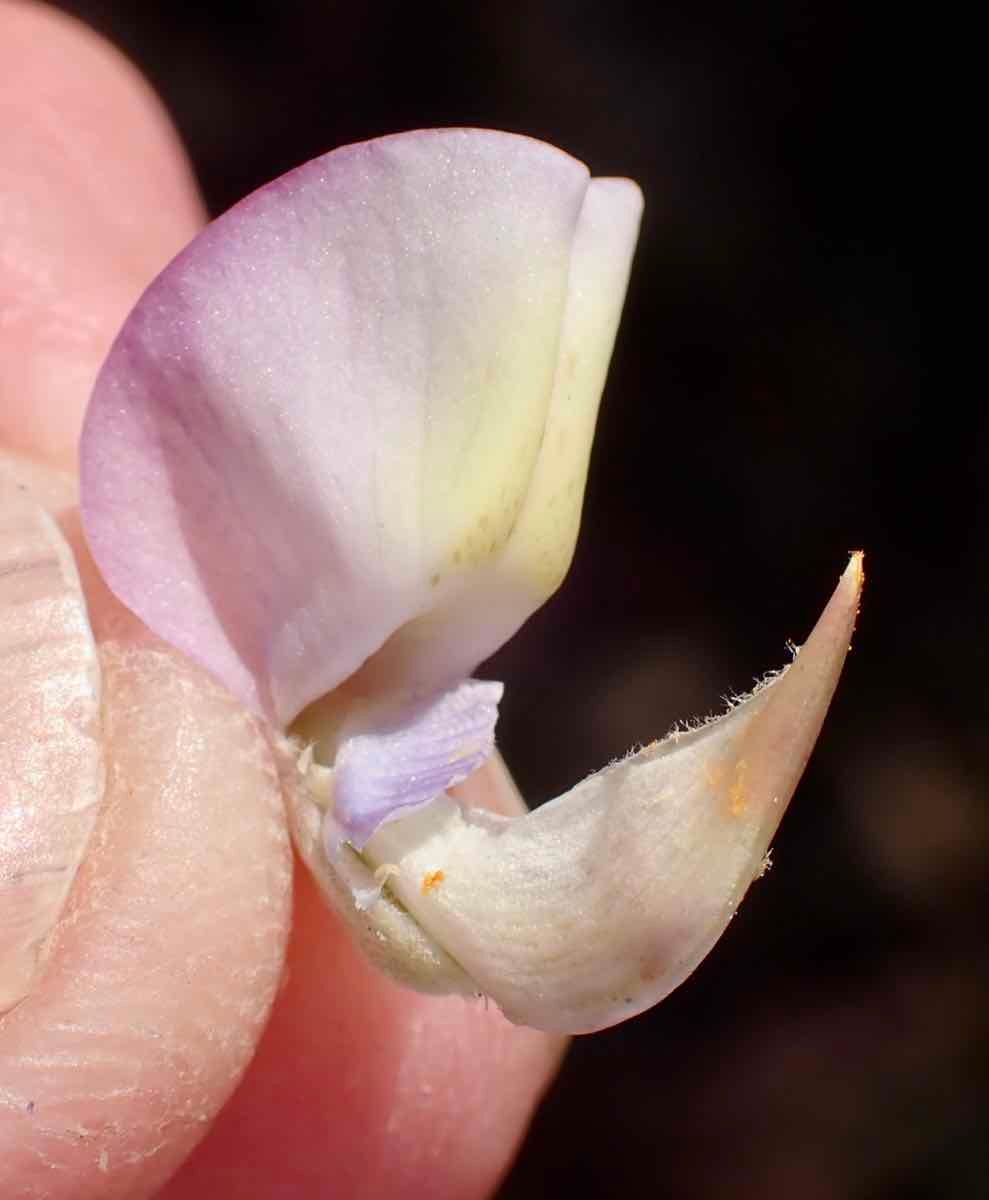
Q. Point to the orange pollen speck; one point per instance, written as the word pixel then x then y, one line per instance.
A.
pixel 431 880
pixel 737 799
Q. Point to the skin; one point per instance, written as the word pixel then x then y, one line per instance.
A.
pixel 119 1074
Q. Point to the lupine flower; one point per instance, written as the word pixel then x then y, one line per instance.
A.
pixel 337 455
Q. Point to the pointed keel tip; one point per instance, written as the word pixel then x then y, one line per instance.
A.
pixel 821 658
pixel 853 578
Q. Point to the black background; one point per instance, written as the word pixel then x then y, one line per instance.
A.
pixel 767 411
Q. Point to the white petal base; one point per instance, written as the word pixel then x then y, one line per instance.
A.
pixel 387 934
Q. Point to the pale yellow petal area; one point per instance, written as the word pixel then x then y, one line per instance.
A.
pixel 542 541
pixel 515 508
pixel 482 446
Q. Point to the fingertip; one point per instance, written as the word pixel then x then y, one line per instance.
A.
pixel 366 1089
pixel 98 195
pixel 164 967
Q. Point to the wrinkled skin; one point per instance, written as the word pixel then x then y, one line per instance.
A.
pixel 182 930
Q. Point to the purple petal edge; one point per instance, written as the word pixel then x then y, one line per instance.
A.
pixel 381 773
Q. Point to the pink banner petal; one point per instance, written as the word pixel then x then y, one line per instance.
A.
pixel 313 407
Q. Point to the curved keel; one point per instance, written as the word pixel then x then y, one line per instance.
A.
pixel 596 906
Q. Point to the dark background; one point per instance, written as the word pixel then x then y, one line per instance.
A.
pixel 767 411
